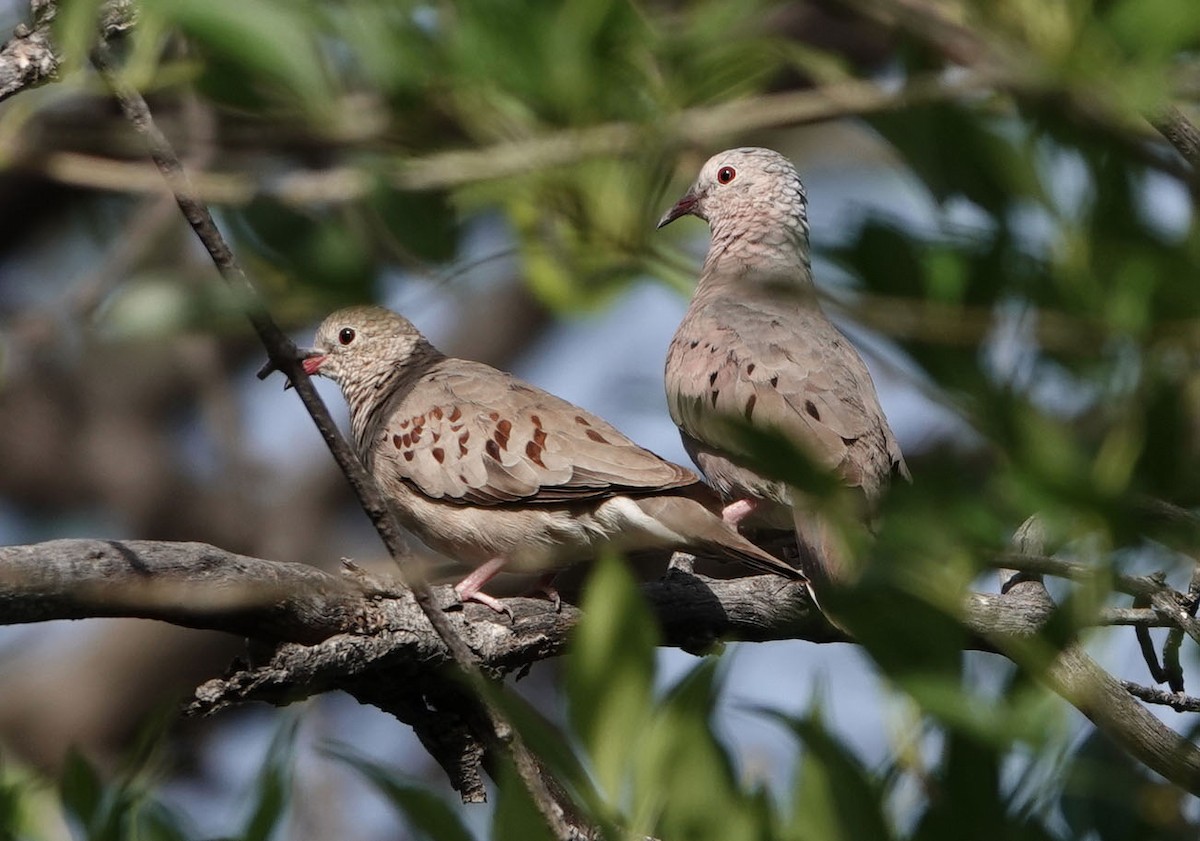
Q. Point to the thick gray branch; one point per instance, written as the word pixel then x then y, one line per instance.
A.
pixel 189 584
pixel 369 642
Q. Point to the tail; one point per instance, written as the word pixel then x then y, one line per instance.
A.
pixel 705 531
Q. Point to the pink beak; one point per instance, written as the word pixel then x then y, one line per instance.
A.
pixel 312 363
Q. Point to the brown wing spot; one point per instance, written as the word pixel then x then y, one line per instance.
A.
pixel 712 378
pixel 493 449
pixel 408 455
pixel 465 437
pixel 535 454
pixel 436 436
pixel 436 412
pixel 494 415
pixel 439 455
pixel 536 421
pixel 582 421
pixel 715 392
pixel 404 423
pixel 596 436
pixel 416 435
pixel 398 441
pixel 419 420
pixel 539 437
pixel 455 427
pixel 750 369
pixel 692 344
pixel 811 408
pixel 750 406
pixel 455 414
pixel 407 439
pixel 501 434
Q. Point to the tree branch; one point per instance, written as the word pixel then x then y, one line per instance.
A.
pixel 1070 673
pixel 28 59
pixel 700 126
pixel 1175 700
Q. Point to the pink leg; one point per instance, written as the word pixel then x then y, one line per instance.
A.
pixel 468 589
pixel 545 587
pixel 735 512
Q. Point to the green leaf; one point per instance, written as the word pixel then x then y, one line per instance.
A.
pixel 516 817
pixel 610 673
pixel 76 28
pixel 425 811
pixel 273 787
pixel 686 784
pixel 83 792
pixel 266 39
pixel 555 750
pixel 836 799
pixel 958 152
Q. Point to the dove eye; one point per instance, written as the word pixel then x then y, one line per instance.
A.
pixel 346 336
pixel 726 174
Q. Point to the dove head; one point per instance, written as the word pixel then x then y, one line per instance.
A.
pixel 753 201
pixel 365 349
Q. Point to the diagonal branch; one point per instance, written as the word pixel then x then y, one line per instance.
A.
pixel 282 354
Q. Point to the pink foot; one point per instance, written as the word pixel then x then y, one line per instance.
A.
pixel 468 590
pixel 735 512
pixel 545 587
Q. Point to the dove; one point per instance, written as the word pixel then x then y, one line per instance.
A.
pixel 754 346
pixel 500 474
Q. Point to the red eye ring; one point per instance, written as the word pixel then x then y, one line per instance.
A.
pixel 726 174
pixel 346 336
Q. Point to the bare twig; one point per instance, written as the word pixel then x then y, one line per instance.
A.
pixel 1146 643
pixel 1177 701
pixel 1145 618
pixel 1181 133
pixel 1093 691
pixel 1134 585
pixel 282 353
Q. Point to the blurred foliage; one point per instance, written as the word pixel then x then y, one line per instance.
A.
pixel 1054 303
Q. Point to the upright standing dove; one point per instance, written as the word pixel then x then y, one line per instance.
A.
pixel 498 473
pixel 754 345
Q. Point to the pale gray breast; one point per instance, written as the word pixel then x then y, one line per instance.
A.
pixel 780 366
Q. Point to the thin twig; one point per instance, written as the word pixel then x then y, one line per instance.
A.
pixel 1177 701
pixel 282 353
pixel 1146 643
pixel 1181 133
pixel 1131 616
pixel 1133 585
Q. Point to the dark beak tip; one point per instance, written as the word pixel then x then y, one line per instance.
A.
pixel 684 207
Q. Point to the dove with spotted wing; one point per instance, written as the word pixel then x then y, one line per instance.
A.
pixel 500 474
pixel 755 346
